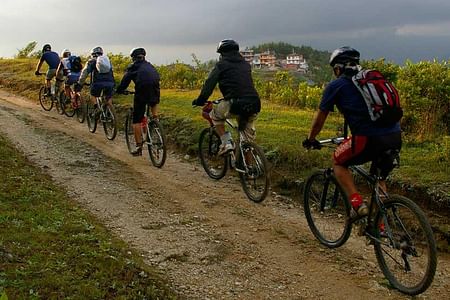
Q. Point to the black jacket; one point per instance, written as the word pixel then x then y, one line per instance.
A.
pixel 234 76
pixel 146 81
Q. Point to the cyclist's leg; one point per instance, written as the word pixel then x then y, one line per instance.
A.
pixel 51 73
pixel 138 114
pixel 59 81
pixel 352 151
pixel 219 114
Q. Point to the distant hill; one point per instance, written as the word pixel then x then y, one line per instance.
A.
pixel 316 59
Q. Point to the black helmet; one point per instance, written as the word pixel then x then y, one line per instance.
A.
pixel 96 51
pixel 227 46
pixel 344 55
pixel 46 47
pixel 135 52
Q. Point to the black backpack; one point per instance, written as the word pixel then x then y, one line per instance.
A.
pixel 75 64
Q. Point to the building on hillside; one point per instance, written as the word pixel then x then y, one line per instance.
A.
pixel 268 59
pixel 256 60
pixel 248 55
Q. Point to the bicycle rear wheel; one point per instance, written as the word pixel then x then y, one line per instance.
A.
pixel 80 109
pixel 91 117
pixel 109 121
pixel 129 132
pixel 66 105
pixel 255 180
pixel 327 209
pixel 208 148
pixel 45 100
pixel 405 247
pixel 157 149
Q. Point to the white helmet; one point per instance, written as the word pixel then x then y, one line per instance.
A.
pixel 65 53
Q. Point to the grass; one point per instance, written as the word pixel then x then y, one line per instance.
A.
pixel 52 249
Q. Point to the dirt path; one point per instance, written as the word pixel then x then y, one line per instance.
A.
pixel 211 242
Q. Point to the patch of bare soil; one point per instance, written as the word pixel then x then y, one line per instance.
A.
pixel 209 240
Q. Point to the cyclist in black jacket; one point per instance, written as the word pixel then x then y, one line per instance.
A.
pixel 234 76
pixel 147 91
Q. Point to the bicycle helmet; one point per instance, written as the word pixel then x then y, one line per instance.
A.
pixel 65 53
pixel 136 53
pixel 97 51
pixel 344 55
pixel 46 47
pixel 227 45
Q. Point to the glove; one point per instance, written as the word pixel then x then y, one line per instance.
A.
pixel 37 73
pixel 77 87
pixel 198 102
pixel 308 144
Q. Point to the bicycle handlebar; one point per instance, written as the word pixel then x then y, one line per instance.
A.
pixel 128 92
pixel 334 141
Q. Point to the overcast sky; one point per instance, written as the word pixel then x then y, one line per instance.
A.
pixel 173 29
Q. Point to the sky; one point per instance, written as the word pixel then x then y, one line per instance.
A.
pixel 172 30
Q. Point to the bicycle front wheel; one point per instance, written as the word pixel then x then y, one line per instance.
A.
pixel 129 132
pixel 255 180
pixel 80 109
pixel 91 117
pixel 109 121
pixel 405 246
pixel 66 105
pixel 327 209
pixel 156 143
pixel 208 148
pixel 44 99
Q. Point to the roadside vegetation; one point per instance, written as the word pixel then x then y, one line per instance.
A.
pixel 52 249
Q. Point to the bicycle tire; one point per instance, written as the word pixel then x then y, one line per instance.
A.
pixel 129 132
pixel 326 209
pixel 45 101
pixel 66 105
pixel 80 111
pixel 256 181
pixel 91 117
pixel 208 148
pixel 157 149
pixel 413 238
pixel 109 122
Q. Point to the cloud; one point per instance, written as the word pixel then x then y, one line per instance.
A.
pixel 441 29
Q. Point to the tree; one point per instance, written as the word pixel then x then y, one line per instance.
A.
pixel 27 51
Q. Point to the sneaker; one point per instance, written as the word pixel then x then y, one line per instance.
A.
pixel 361 211
pixel 226 148
pixel 137 151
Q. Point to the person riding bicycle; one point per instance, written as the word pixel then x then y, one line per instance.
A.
pixel 52 59
pixel 71 73
pixel 234 76
pixel 147 91
pixel 368 140
pixel 102 77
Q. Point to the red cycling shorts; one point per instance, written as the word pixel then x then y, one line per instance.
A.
pixel 349 149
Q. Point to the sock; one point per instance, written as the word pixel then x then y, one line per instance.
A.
pixel 356 200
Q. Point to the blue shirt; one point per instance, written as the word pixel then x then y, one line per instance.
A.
pixel 343 94
pixel 51 58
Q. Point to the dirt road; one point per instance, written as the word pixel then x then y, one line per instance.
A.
pixel 211 242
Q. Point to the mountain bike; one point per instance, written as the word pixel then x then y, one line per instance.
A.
pixel 73 105
pixel 247 159
pixel 402 237
pixel 104 113
pixel 47 97
pixel 152 135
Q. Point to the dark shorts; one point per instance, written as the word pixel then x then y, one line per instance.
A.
pixel 142 99
pixel 72 79
pixel 98 87
pixel 358 150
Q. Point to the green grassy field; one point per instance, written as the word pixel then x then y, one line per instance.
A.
pixel 52 249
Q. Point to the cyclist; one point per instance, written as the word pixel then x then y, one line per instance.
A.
pixel 65 67
pixel 102 77
pixel 147 91
pixel 234 76
pixel 52 59
pixel 368 140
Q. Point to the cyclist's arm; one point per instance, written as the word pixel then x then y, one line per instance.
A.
pixel 85 73
pixel 126 80
pixel 209 85
pixel 317 125
pixel 39 65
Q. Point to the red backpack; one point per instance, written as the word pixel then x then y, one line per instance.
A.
pixel 380 96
